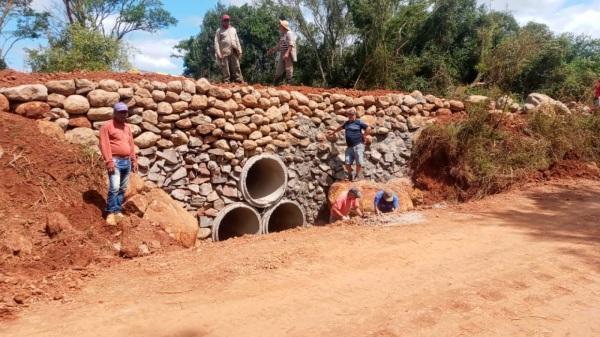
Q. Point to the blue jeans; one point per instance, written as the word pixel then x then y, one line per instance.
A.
pixel 117 185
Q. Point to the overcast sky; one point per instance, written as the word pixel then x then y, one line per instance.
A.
pixel 153 51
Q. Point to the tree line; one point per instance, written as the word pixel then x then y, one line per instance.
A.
pixel 445 47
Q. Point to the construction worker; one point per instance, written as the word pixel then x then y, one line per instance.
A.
pixel 385 201
pixel 286 47
pixel 357 133
pixel 344 204
pixel 228 51
pixel 118 151
pixel 597 94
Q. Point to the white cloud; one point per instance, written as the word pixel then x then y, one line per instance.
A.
pixel 153 53
pixel 580 17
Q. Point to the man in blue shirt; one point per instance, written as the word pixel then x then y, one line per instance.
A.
pixel 385 202
pixel 356 133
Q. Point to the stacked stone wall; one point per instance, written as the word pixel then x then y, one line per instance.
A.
pixel 193 137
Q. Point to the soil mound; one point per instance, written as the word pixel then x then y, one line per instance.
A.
pixel 52 196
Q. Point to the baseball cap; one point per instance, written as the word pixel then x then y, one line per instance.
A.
pixel 120 106
pixel 225 17
pixel 388 195
pixel 355 191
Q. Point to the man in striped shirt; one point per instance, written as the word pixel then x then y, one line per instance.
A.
pixel 287 52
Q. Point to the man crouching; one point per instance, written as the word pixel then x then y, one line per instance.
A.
pixel 118 151
pixel 344 204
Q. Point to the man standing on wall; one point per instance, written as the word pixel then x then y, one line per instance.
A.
pixel 287 52
pixel 355 140
pixel 228 51
pixel 118 151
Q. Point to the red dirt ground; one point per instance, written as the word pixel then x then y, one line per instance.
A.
pixel 519 264
pixel 10 78
pixel 39 175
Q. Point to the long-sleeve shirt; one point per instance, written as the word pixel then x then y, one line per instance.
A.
pixel 226 42
pixel 116 139
pixel 286 40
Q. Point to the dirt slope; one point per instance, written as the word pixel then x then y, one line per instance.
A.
pixel 524 263
pixel 40 176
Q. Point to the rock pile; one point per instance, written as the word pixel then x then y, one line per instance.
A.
pixel 194 137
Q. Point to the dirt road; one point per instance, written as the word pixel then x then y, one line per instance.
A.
pixel 519 264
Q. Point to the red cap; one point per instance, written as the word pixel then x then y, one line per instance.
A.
pixel 225 17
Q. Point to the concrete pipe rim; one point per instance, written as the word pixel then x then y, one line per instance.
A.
pixel 245 211
pixel 263 181
pixel 299 210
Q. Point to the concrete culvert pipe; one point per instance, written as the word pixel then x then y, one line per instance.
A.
pixel 284 215
pixel 263 180
pixel 235 220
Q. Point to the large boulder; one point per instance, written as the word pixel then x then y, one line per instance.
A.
pixel 51 129
pixel 101 98
pixel 110 85
pixel 146 140
pixel 478 99
pixel 171 217
pixel 100 114
pixel 63 87
pixel 26 93
pixel 545 104
pixel 220 93
pixel 79 122
pixel 76 105
pixel 82 136
pixel 4 103
pixel 401 187
pixel 33 109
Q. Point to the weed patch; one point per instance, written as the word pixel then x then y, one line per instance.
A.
pixel 484 154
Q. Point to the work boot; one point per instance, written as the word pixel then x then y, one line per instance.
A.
pixel 111 219
pixel 350 176
pixel 119 216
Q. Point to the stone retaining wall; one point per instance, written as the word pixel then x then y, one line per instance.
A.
pixel 194 137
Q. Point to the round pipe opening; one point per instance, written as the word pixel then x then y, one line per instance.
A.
pixel 263 180
pixel 285 215
pixel 236 220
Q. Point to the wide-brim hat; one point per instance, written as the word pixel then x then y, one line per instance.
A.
pixel 388 195
pixel 284 24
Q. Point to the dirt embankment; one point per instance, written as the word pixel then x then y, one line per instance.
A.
pixel 52 196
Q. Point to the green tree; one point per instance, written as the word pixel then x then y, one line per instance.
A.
pixel 79 48
pixel 117 18
pixel 18 21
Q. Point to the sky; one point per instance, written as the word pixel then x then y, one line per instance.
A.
pixel 152 52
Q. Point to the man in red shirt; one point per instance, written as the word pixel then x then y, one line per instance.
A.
pixel 597 100
pixel 345 203
pixel 118 150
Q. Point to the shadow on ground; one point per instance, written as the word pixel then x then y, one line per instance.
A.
pixel 564 213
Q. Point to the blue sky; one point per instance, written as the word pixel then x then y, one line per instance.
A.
pixel 152 51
